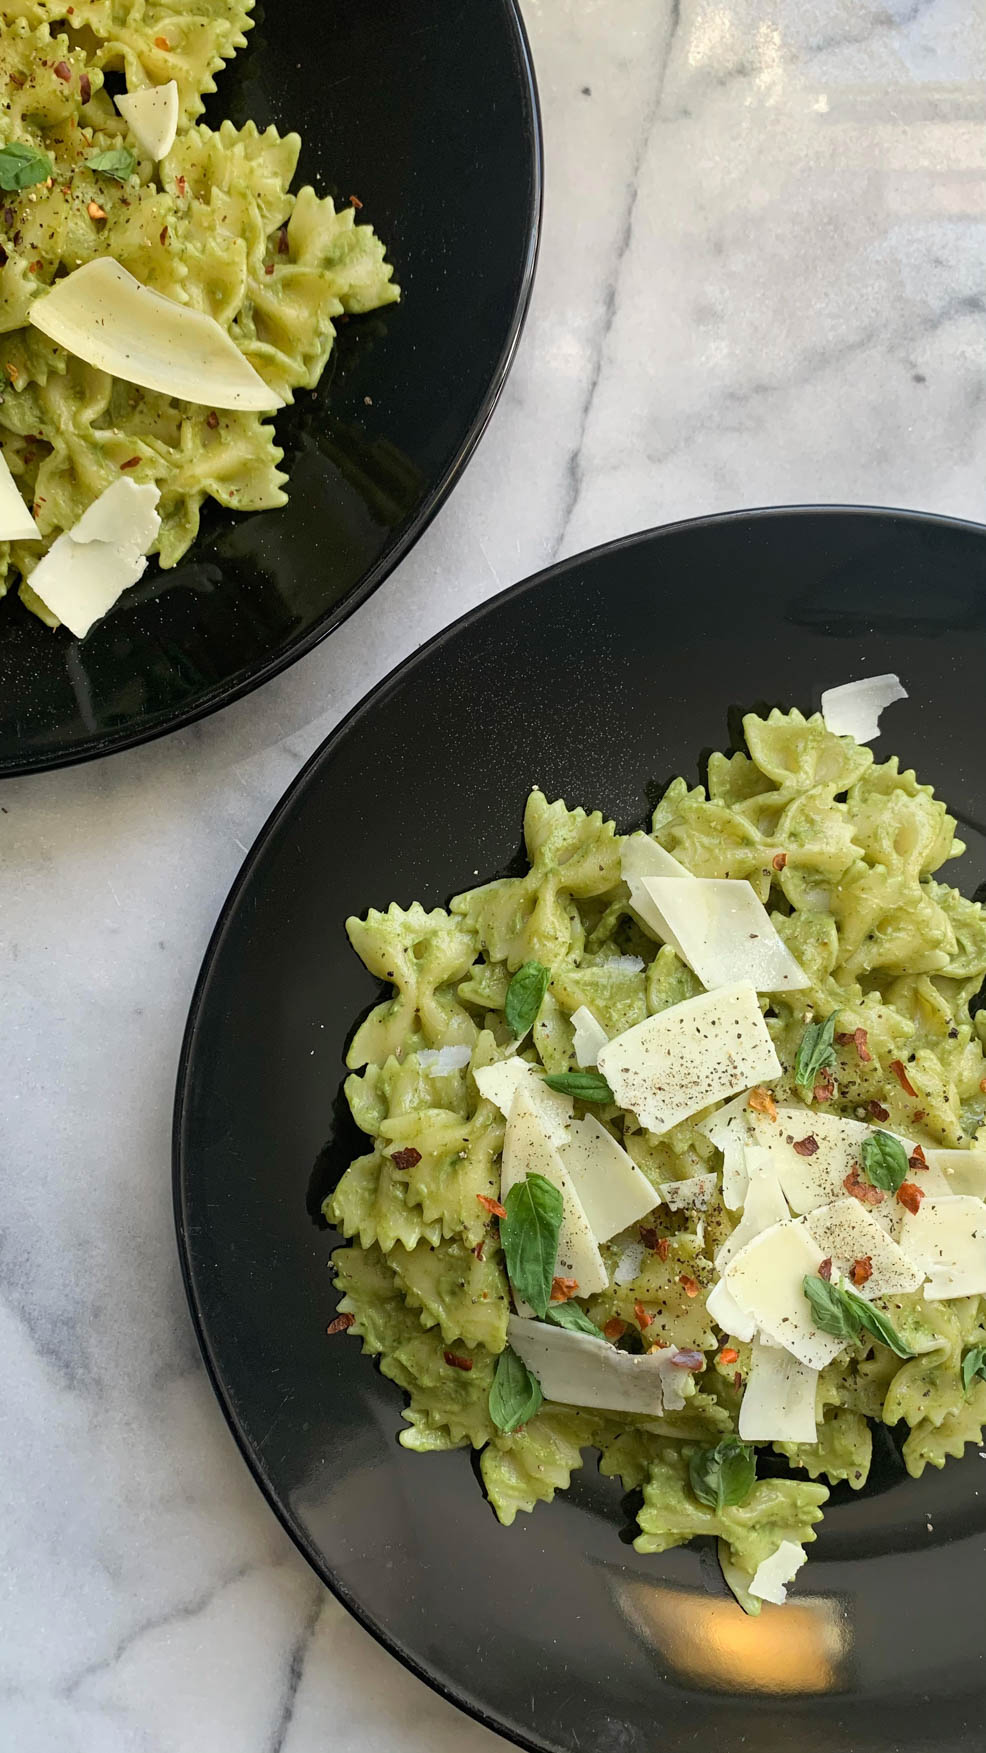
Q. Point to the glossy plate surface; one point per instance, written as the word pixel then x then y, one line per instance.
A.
pixel 600 680
pixel 427 113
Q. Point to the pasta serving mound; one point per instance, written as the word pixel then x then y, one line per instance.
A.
pixel 212 226
pixel 678 1152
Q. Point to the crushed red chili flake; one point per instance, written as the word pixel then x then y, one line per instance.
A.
pixel 918 1114
pixel 161 43
pixel 615 1328
pixel 408 1158
pixel 563 1289
pixel 164 234
pixel 857 1039
pixel 478 1249
pixel 489 1204
pixel 180 185
pixel 85 87
pixel 282 241
pixel 94 210
pixel 663 1247
pixel 779 860
pixel 354 201
pixel 456 1362
pixel 728 1354
pixel 131 463
pixel 861 1269
pixel 862 1190
pixel 825 1087
pixel 687 1359
pixel 340 1324
pixel 642 1316
pixel 269 268
pixel 825 1269
pixel 17 79
pixel 877 1111
pixel 62 71
pixel 909 1196
pixel 689 1285
pixel 917 1159
pixel 212 419
pixel 12 371
pixel 737 1380
pixel 897 1067
pixel 762 1102
pixel 806 1146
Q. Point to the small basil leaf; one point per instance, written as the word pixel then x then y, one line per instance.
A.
pixel 529 1237
pixel 724 1475
pixel 585 1086
pixel 876 1323
pixel 973 1365
pixel 884 1161
pixel 21 166
pixel 815 1053
pixel 571 1316
pixel 515 1395
pixel 117 162
pixel 525 996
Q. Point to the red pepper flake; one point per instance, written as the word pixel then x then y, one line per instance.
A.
pixel 825 1087
pixel 63 71
pixel 408 1158
pixel 806 1146
pixel 728 1355
pixel 478 1249
pixel 269 269
pixel 212 419
pixel 282 241
pixel 688 1285
pixel 180 185
pixel 897 1067
pixel 95 211
pixel 36 266
pixel 909 1196
pixel 16 79
pixel 689 1360
pixel 862 1190
pixel 12 371
pixel 162 43
pixel 877 1111
pixel 131 463
pixel 85 87
pixel 858 1039
pixel 663 1247
pixel 354 201
pixel 861 1270
pixel 825 1269
pixel 918 1114
pixel 493 1206
pixel 456 1362
pixel 779 860
pixel 563 1289
pixel 737 1380
pixel 762 1102
pixel 642 1317
pixel 917 1160
pixel 340 1324
pixel 164 234
pixel 615 1328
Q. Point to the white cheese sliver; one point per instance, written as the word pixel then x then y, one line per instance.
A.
pixel 640 856
pixel 590 1037
pixel 578 1370
pixel 763 1207
pixel 766 1279
pixel 689 1056
pixel 103 315
pixel 441 1060
pixel 694 1194
pixel 611 1189
pixel 724 933
pixel 89 567
pixel 964 1171
pixel 500 1083
pixel 774 1574
pixel 527 1150
pixel 16 521
pixel 730 1129
pixel 727 1314
pixel 854 708
pixel 778 1405
pixel 152 116
pixel 946 1240
pixel 847 1231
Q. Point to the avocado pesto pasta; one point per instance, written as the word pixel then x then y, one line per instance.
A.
pixel 162 291
pixel 677 1155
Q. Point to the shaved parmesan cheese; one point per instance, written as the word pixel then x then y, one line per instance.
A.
pixel 764 1206
pixel 640 856
pixel 853 710
pixel 578 1370
pixel 441 1060
pixel 946 1240
pixel 774 1574
pixel 779 1403
pixel 500 1083
pixel 766 1277
pixel 689 1056
pixel 611 1189
pixel 818 1177
pixel 629 1263
pixel 527 1150
pixel 623 965
pixel 730 1129
pixel 964 1171
pixel 92 564
pixel 152 116
pixel 590 1037
pixel 847 1231
pixel 694 1194
pixel 723 932
pixel 106 317
pixel 16 521
pixel 725 1311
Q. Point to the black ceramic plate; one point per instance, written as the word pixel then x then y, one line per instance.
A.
pixel 427 113
pixel 600 680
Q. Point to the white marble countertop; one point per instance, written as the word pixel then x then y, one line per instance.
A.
pixel 761 281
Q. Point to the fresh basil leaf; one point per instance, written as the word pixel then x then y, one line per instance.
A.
pixel 529 1237
pixel 515 1395
pixel 839 1311
pixel 724 1475
pixel 21 166
pixel 876 1323
pixel 571 1316
pixel 973 1365
pixel 884 1161
pixel 815 1053
pixel 117 162
pixel 525 996
pixel 585 1086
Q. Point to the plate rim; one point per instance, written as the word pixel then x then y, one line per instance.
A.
pixel 99 745
pixel 280 812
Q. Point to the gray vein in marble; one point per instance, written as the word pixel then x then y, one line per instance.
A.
pixel 296 1669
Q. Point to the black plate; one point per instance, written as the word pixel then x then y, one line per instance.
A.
pixel 600 679
pixel 428 113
